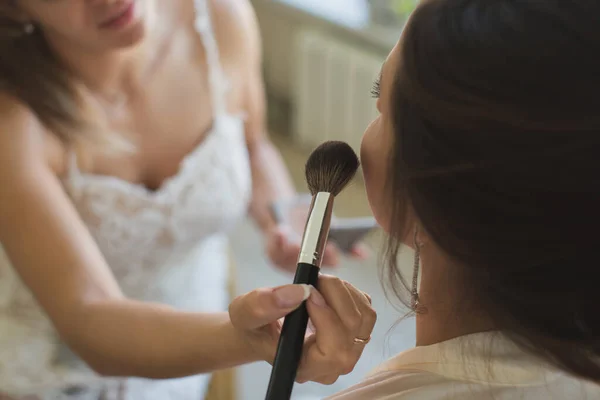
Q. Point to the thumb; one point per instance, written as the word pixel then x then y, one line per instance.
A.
pixel 262 307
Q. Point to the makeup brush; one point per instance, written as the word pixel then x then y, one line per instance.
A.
pixel 330 167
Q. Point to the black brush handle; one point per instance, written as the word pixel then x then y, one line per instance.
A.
pixel 289 348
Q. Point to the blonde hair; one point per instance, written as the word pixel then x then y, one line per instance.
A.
pixel 31 73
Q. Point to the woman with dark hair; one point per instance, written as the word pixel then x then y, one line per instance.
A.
pixel 485 160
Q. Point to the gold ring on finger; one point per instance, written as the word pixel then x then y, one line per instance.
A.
pixel 358 340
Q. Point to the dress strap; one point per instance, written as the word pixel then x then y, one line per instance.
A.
pixel 72 164
pixel 216 76
pixel 72 174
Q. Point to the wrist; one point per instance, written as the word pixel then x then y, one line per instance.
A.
pixel 266 224
pixel 241 345
pixel 266 216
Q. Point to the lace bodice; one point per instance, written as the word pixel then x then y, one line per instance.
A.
pixel 141 233
pixel 167 245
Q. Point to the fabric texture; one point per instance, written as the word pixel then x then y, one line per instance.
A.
pixel 473 367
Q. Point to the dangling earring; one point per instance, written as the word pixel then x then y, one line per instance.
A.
pixel 415 305
pixel 28 28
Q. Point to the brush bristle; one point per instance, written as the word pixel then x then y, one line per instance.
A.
pixel 330 167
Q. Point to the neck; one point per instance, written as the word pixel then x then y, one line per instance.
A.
pixel 448 311
pixel 108 72
pixel 104 72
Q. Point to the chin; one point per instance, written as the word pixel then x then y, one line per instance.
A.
pixel 380 212
pixel 130 38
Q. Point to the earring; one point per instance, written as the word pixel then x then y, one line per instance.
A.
pixel 415 280
pixel 28 28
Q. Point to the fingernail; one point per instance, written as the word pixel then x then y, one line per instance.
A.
pixel 317 298
pixel 292 295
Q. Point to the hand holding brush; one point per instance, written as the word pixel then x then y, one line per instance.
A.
pixel 328 171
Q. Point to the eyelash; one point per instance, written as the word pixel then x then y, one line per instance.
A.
pixel 376 89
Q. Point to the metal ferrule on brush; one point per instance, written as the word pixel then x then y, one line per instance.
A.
pixel 317 229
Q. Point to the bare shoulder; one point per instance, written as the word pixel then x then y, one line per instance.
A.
pixel 25 144
pixel 234 14
pixel 24 141
pixel 234 23
pixel 236 26
pixel 21 134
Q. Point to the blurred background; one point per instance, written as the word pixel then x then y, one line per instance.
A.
pixel 320 60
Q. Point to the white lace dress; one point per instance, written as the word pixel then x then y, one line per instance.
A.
pixel 167 246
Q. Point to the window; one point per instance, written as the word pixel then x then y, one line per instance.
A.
pixel 391 12
pixel 359 13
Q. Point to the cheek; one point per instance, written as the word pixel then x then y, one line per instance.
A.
pixel 374 152
pixel 67 18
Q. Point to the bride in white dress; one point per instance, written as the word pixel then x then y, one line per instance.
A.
pixel 97 234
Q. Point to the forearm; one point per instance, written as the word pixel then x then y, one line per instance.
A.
pixel 271 181
pixel 152 341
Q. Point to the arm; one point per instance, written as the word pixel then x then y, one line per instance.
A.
pixel 59 262
pixel 271 180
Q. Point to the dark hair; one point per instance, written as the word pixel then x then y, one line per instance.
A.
pixel 496 109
